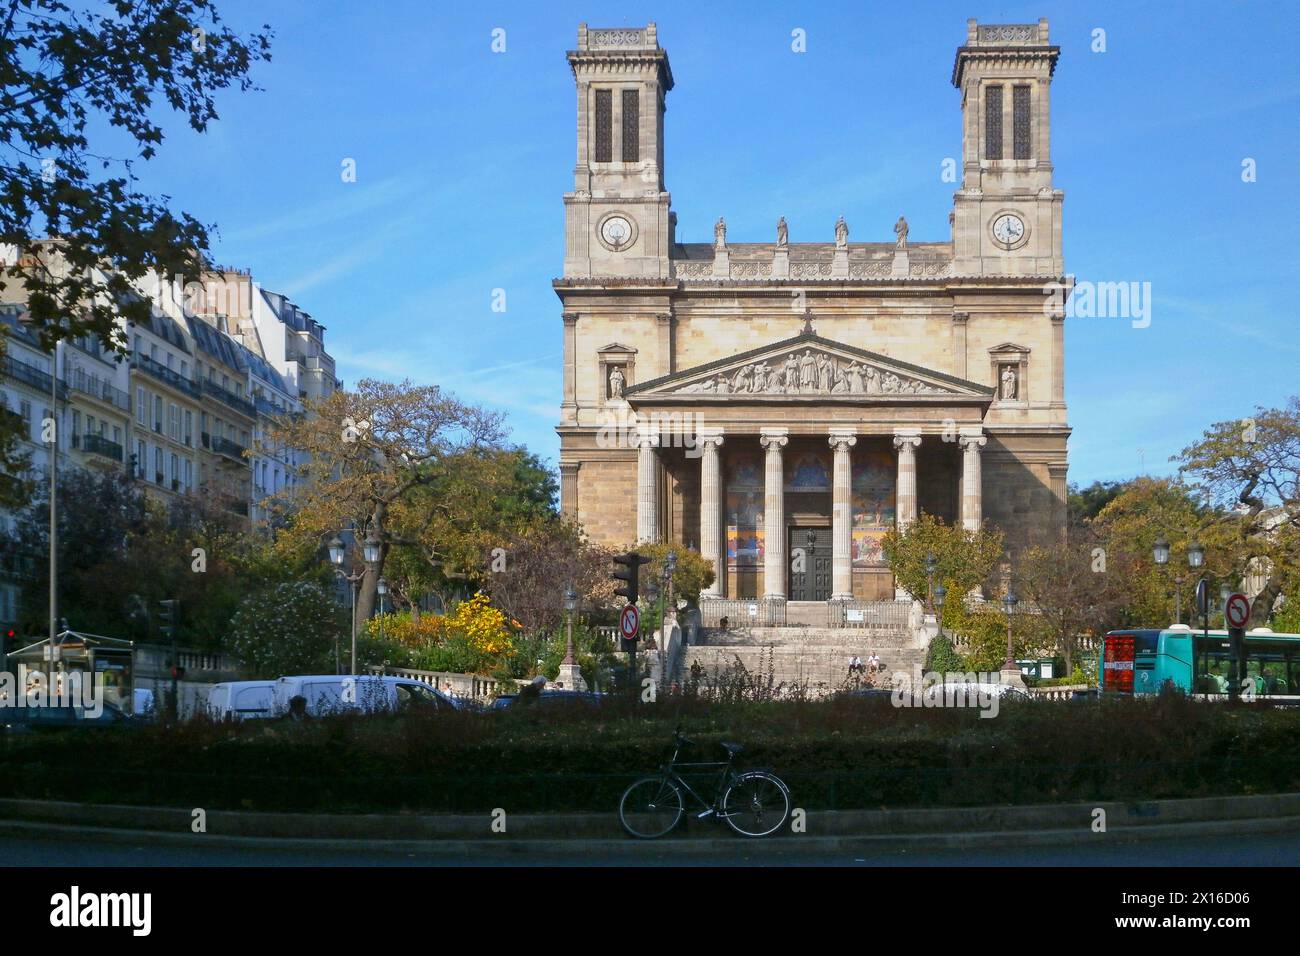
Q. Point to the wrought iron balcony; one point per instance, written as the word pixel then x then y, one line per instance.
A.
pixel 229 398
pixel 224 446
pixel 30 375
pixel 79 381
pixel 165 375
pixel 98 445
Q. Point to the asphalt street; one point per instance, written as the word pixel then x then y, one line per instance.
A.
pixel 1280 849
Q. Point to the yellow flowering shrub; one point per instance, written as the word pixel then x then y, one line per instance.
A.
pixel 485 627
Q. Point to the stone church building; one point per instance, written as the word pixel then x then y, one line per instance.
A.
pixel 762 401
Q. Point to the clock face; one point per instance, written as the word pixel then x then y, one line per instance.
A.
pixel 1008 229
pixel 616 231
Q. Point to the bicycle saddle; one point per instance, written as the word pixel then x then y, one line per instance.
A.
pixel 732 748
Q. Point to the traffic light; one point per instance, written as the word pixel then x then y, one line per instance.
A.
pixel 178 672
pixel 169 618
pixel 629 571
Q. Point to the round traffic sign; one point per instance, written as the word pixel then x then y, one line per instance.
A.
pixel 1237 610
pixel 629 622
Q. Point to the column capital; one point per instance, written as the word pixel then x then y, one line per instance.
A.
pixel 774 437
pixel 842 439
pixel 972 438
pixel 570 318
pixel 664 318
pixel 706 437
pixel 646 435
pixel 907 438
pixel 960 318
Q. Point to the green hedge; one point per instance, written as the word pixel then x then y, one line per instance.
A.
pixel 841 754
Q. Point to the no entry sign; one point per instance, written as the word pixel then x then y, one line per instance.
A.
pixel 629 622
pixel 1237 610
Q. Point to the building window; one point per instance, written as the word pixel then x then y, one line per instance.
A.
pixel 157 414
pixel 189 474
pixel 158 464
pixel 993 122
pixel 189 427
pixel 141 458
pixel 25 409
pixel 141 406
pixel 604 126
pixel 1020 121
pixel 631 126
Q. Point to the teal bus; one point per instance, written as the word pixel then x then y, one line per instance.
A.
pixel 1144 660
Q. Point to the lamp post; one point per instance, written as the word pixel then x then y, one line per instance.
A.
pixel 1195 559
pixel 670 568
pixel 1009 602
pixel 570 676
pixel 381 588
pixel 931 562
pixel 940 593
pixel 370 551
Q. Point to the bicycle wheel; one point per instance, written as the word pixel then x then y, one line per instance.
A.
pixel 650 807
pixel 756 804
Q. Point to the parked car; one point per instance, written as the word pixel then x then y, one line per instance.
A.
pixel 20 720
pixel 365 693
pixel 553 698
pixel 242 700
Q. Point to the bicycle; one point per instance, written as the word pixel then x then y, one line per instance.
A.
pixel 755 803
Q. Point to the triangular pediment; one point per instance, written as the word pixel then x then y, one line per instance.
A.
pixel 808 367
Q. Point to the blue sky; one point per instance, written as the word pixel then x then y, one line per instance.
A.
pixel 462 156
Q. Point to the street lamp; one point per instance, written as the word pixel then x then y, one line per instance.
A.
pixel 940 593
pixel 931 562
pixel 1009 602
pixel 1195 559
pixel 370 551
pixel 670 568
pixel 381 588
pixel 570 602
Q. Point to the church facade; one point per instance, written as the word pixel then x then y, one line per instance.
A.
pixel 780 405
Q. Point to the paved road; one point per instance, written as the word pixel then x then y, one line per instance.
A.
pixel 1282 849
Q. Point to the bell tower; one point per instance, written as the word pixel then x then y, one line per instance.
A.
pixel 1007 214
pixel 617 221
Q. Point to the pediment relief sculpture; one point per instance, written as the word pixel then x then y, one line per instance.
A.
pixel 810 373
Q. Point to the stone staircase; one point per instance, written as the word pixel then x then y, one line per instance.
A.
pixel 816 657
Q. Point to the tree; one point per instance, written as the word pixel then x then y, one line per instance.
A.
pixel 69 73
pixel 1127 529
pixel 14 490
pixel 1084 504
pixel 1073 587
pixel 1250 469
pixel 538 566
pixel 965 560
pixel 373 453
pixel 288 628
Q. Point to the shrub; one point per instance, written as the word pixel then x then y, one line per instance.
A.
pixel 289 628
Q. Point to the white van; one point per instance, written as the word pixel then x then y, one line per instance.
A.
pixel 241 700
pixel 366 693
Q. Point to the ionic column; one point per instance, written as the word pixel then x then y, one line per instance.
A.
pixel 647 486
pixel 972 500
pixel 711 509
pixel 842 440
pixel 906 440
pixel 774 440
